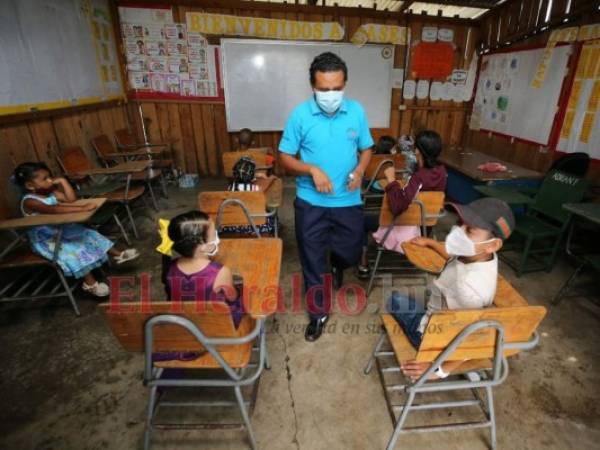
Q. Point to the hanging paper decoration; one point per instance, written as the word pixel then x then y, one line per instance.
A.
pixel 380 34
pixel 432 60
pixel 264 28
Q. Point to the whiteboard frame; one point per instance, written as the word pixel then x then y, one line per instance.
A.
pixel 311 43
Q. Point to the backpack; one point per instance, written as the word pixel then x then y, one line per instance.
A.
pixel 243 170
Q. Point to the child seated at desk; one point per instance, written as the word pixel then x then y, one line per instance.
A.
pixel 386 145
pixel 81 249
pixel 193 276
pixel 246 142
pixel 245 178
pixel 469 279
pixel 431 176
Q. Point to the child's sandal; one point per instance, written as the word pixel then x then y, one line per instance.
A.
pixel 127 255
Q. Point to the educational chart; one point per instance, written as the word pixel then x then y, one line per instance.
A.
pixel 164 61
pixel 507 104
pixel 432 69
pixel 59 55
pixel 580 130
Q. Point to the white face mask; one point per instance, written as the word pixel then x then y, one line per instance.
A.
pixel 215 245
pixel 459 244
pixel 329 101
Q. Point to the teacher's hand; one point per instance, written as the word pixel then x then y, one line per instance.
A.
pixel 356 181
pixel 321 180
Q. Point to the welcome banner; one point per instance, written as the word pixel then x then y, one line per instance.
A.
pixel 263 28
pixel 380 34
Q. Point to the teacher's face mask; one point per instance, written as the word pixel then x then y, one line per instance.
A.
pixel 329 101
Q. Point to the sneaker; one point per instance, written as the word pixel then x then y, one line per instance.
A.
pixel 97 289
pixel 363 272
pixel 127 255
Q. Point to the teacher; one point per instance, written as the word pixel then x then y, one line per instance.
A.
pixel 331 135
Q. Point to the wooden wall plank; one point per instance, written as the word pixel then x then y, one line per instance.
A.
pixel 187 138
pixel 45 143
pixel 208 124
pixel 198 130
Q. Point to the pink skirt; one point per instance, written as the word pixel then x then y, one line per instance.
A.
pixel 398 235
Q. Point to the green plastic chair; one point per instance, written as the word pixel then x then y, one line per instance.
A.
pixel 545 223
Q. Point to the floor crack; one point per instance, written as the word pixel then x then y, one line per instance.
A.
pixel 289 381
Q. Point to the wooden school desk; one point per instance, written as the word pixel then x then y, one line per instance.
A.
pixel 463 174
pixel 30 288
pixel 424 258
pixel 258 261
pixel 273 190
pixel 591 213
pixel 122 168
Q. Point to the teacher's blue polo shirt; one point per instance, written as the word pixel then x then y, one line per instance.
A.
pixel 331 143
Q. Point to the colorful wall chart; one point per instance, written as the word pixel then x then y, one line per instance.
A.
pixel 580 130
pixel 165 61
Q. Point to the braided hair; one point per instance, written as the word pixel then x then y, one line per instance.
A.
pixel 188 231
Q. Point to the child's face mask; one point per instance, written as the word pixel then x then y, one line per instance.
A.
pixel 212 248
pixel 329 101
pixel 459 244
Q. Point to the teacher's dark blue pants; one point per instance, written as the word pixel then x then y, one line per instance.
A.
pixel 321 230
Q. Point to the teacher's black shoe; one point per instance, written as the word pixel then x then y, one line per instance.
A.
pixel 338 277
pixel 314 329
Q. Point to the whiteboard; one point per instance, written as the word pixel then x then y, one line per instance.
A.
pixel 264 80
pixel 505 101
pixel 50 57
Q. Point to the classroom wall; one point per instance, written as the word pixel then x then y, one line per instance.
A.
pixel 201 131
pixel 38 139
pixel 517 24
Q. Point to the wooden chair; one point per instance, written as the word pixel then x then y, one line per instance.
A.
pixel 374 172
pixel 206 329
pixel 260 157
pixel 481 338
pixel 424 211
pixel 236 209
pixel 74 160
pixel 27 275
pixel 155 151
pixel 107 153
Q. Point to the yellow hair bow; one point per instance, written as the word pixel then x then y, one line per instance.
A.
pixel 166 245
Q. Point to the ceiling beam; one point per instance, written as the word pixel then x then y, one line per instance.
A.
pixel 460 3
pixel 405 5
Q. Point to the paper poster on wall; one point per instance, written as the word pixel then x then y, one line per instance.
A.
pixel 429 34
pixel 435 92
pixel 459 76
pixel 580 130
pixel 447 91
pixel 422 89
pixel 182 63
pixel 445 35
pixel 410 87
pixel 146 15
pixel 508 103
pixel 432 60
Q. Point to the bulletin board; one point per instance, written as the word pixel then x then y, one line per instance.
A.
pixel 505 101
pixel 58 53
pixel 580 129
pixel 164 61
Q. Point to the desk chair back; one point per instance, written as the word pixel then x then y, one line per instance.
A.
pixel 556 189
pixel 260 158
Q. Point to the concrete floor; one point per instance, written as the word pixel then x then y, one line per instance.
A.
pixel 67 384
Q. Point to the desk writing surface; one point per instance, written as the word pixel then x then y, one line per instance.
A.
pixel 273 189
pixel 124 167
pixel 589 211
pixel 53 219
pixel 258 261
pixel 467 161
pixel 424 258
